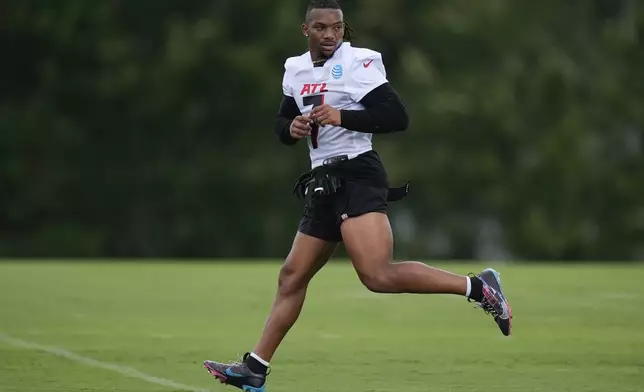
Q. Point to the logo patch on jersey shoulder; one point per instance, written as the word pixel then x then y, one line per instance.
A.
pixel 336 71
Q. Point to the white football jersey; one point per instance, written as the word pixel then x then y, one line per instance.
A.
pixel 341 82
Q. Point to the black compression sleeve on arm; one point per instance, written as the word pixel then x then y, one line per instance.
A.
pixel 287 112
pixel 384 113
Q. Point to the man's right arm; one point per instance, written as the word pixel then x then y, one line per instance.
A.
pixel 287 112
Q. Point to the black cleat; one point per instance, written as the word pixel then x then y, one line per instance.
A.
pixel 494 301
pixel 237 374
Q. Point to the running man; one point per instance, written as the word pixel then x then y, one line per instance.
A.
pixel 336 97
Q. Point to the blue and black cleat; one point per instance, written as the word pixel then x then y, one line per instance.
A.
pixel 494 301
pixel 237 374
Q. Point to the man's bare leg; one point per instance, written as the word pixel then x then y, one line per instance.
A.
pixel 308 255
pixel 369 242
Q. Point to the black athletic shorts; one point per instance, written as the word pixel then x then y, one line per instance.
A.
pixel 365 192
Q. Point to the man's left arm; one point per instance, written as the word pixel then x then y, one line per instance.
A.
pixel 383 113
pixel 367 83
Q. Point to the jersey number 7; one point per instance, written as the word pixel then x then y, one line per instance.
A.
pixel 315 100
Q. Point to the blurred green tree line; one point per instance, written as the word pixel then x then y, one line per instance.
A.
pixel 144 128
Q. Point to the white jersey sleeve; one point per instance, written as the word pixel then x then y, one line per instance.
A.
pixel 287 88
pixel 367 73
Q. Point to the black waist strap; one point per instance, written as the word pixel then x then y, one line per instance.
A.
pixel 398 193
pixel 328 178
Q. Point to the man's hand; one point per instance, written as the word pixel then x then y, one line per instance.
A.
pixel 300 127
pixel 326 115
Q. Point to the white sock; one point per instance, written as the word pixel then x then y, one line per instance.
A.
pixel 259 359
pixel 468 291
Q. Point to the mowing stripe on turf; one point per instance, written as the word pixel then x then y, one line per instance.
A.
pixel 127 371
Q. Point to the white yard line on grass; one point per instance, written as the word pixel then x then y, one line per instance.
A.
pixel 124 370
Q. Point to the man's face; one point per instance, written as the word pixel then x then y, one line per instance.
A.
pixel 324 29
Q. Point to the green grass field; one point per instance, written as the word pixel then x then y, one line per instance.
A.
pixel 576 328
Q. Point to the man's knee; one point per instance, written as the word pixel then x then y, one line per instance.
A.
pixel 378 279
pixel 291 279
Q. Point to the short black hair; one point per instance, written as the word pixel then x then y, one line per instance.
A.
pixel 332 5
pixel 321 4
